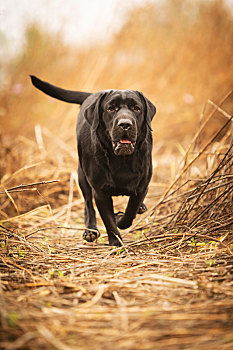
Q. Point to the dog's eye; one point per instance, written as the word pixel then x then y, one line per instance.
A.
pixel 135 108
pixel 112 108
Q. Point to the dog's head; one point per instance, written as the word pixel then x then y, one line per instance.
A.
pixel 123 116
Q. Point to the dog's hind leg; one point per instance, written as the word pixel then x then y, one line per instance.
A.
pixel 142 208
pixel 91 232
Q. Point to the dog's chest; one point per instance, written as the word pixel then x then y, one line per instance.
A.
pixel 123 178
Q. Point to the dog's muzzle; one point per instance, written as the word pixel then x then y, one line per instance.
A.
pixel 123 147
pixel 124 135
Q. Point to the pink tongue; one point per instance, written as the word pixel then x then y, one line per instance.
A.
pixel 125 141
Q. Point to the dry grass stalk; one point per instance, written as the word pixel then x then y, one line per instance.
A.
pixel 170 285
pixel 178 269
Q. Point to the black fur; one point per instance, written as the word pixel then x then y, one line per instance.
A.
pixel 114 145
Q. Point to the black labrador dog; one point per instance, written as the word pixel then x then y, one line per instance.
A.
pixel 114 146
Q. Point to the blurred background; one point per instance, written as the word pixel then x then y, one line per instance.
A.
pixel 177 52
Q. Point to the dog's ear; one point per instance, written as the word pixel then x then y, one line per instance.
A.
pixel 92 109
pixel 150 109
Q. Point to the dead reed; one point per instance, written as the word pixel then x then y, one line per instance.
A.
pixel 170 285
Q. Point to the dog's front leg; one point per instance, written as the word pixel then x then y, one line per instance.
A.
pixel 91 232
pixel 105 207
pixel 135 202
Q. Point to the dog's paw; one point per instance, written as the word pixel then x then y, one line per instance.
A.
pixel 122 221
pixel 118 216
pixel 142 209
pixel 115 242
pixel 90 235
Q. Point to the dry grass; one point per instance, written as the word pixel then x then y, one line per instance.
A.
pixel 170 286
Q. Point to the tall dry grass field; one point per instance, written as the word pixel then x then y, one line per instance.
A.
pixel 170 287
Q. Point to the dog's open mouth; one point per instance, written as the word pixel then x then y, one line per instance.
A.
pixel 123 147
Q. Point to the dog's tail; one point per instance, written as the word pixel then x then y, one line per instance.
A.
pixel 70 96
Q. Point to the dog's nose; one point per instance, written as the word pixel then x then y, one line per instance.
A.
pixel 125 123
